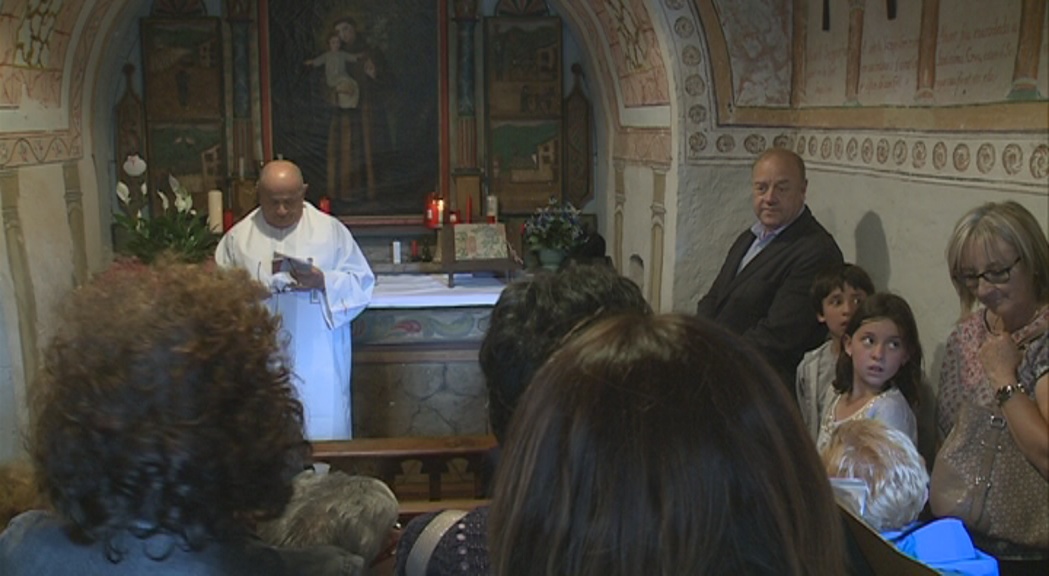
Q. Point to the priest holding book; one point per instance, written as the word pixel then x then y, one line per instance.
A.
pixel 319 281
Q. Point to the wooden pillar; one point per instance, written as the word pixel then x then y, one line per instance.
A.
pixel 244 148
pixel 659 211
pixel 855 51
pixel 798 53
pixel 18 262
pixel 927 42
pixel 466 176
pixel 617 225
pixel 1025 70
pixel 75 217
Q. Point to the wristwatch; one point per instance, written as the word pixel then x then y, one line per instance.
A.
pixel 1003 394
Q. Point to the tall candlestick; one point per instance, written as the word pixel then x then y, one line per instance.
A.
pixel 215 211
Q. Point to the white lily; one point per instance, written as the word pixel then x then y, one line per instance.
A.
pixel 134 166
pixel 183 201
pixel 163 201
pixel 173 182
pixel 143 190
pixel 123 193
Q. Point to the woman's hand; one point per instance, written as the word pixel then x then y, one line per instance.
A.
pixel 1000 358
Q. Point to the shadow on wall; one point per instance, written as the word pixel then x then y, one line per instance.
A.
pixel 927 410
pixel 872 250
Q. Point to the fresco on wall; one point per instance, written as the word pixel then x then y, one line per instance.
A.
pixel 635 51
pixel 971 52
pixel 354 100
pixel 35 36
pixel 759 44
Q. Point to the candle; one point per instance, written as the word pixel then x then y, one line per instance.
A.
pixel 469 209
pixel 324 205
pixel 440 213
pixel 415 250
pixel 240 167
pixel 215 211
pixel 492 208
pixel 431 213
pixel 227 220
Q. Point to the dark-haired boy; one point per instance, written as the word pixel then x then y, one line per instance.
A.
pixel 835 295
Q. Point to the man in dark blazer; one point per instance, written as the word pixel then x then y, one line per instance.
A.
pixel 762 291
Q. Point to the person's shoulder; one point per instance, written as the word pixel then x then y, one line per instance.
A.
pixel 824 349
pixel 468 533
pixel 30 539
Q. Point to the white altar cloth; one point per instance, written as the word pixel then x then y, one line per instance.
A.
pixel 432 291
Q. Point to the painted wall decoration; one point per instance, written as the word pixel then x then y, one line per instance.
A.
pixel 631 36
pixel 353 94
pixel 759 41
pixel 37 34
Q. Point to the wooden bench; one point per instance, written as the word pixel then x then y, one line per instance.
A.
pixel 434 452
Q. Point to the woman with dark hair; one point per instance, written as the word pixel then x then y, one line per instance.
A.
pixel 163 423
pixel 656 445
pixel 531 319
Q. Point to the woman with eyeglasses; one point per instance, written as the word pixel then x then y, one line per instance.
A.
pixel 992 469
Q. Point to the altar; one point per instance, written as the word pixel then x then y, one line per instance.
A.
pixel 415 369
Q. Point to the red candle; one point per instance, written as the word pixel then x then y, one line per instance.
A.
pixel 415 249
pixel 325 205
pixel 430 220
pixel 227 220
pixel 469 209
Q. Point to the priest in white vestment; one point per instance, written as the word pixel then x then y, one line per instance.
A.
pixel 319 281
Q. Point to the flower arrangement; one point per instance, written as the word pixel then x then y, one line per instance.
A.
pixel 555 226
pixel 176 228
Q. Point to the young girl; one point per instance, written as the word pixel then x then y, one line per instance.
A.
pixel 880 371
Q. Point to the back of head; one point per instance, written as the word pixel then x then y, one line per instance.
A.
pixel 355 513
pixel 656 445
pixel 531 319
pixel 886 460
pixel 164 404
pixel 982 227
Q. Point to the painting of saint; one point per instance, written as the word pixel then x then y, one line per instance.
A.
pixel 354 100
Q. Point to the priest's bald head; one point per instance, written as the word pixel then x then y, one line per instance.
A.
pixel 281 193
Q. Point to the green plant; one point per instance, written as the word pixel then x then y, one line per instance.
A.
pixel 555 226
pixel 175 228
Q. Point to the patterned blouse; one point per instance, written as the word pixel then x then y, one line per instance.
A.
pixel 962 377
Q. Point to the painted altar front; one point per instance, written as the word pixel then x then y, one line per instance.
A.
pixel 415 369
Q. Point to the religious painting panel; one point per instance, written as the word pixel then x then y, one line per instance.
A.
pixel 182 65
pixel 354 92
pixel 525 163
pixel 524 67
pixel 193 153
pixel 524 108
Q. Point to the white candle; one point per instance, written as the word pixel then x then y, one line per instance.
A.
pixel 215 211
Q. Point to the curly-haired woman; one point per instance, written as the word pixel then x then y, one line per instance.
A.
pixel 163 422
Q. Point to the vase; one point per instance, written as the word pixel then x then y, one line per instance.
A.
pixel 551 259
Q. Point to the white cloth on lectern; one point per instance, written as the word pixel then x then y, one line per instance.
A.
pixel 314 324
